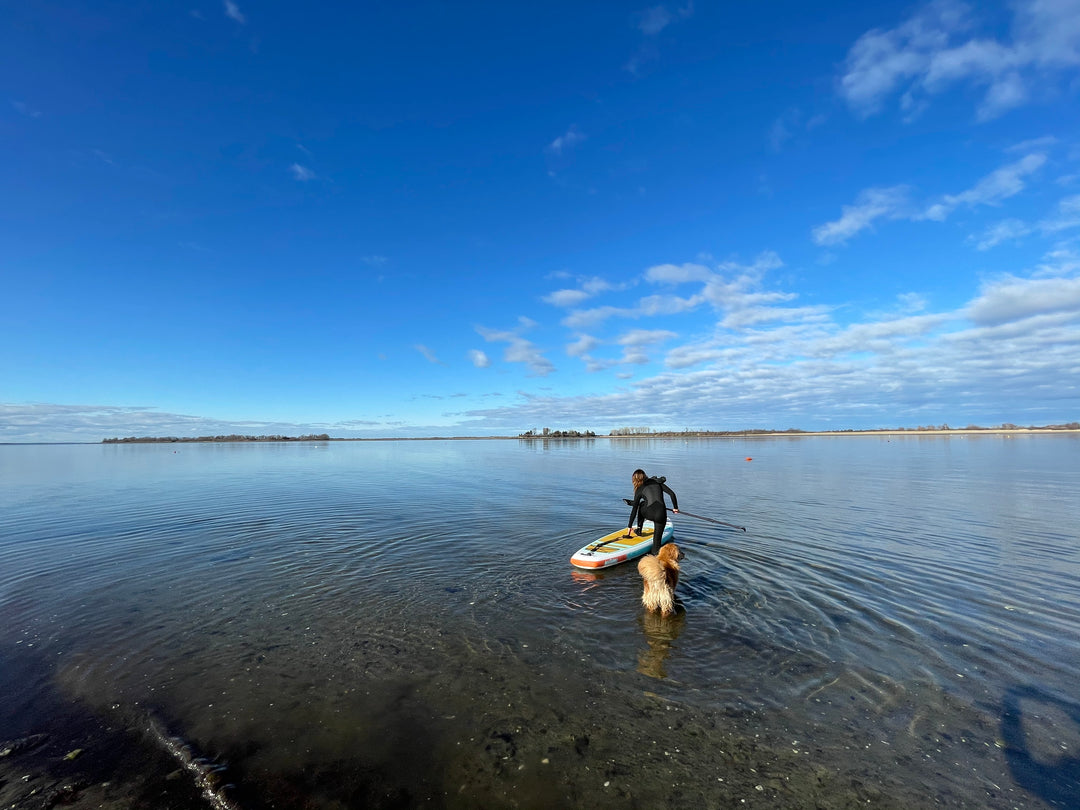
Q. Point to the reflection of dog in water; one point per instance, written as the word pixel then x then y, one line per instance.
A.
pixel 660 635
pixel 661 575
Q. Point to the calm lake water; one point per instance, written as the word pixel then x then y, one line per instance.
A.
pixel 396 624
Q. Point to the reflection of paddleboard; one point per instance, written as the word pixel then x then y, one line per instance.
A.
pixel 614 548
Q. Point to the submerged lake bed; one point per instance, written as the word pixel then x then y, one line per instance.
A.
pixel 396 624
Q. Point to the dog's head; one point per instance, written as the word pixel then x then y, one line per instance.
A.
pixel 670 554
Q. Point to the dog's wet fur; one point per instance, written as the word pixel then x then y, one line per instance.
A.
pixel 661 575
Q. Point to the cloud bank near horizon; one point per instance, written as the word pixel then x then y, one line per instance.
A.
pixel 765 362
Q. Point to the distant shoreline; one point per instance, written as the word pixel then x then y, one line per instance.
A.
pixel 748 434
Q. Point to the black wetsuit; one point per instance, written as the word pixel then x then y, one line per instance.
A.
pixel 649 505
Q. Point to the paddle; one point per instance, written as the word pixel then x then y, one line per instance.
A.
pixel 629 502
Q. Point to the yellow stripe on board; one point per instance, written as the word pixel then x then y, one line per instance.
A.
pixel 618 545
pixel 637 538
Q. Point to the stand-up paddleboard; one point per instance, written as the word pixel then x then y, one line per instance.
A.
pixel 615 548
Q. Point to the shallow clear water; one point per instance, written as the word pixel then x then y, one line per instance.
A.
pixel 397 624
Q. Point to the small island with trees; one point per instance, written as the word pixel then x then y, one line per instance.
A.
pixel 548 433
pixel 321 437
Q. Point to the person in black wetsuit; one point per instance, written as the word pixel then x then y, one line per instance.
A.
pixel 649 505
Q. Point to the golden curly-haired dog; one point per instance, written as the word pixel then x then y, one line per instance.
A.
pixel 661 575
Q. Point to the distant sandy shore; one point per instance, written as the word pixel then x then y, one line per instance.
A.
pixel 747 435
pixel 958 432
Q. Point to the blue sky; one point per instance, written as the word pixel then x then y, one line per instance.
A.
pixel 414 219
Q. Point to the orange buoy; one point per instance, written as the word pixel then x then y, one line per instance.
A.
pixel 749 459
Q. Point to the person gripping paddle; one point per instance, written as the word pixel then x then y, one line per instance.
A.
pixel 648 504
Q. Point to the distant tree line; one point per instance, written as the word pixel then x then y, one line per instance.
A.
pixel 548 433
pixel 645 431
pixel 320 437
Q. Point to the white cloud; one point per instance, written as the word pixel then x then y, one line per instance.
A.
pixel 736 286
pixel 232 11
pixel 693 355
pixel 519 349
pixel 569 139
pixel 1059 262
pixel 732 287
pixel 991 190
pixel 1005 231
pixel 978 363
pixel 653 20
pixel 645 337
pixel 882 337
pixel 755 315
pixel 936 49
pixel 893 203
pixel 911 302
pixel 871 204
pixel 479 358
pixel 596 285
pixel 50 422
pixel 668 304
pixel 586 318
pixel 677 273
pixel 1040 144
pixel 1004 94
pixel 1012 299
pixel 302 173
pixel 429 355
pixel 566 298
pixel 1066 218
pixel 587 288
pixel 637 342
pixel 879 60
pixel 770 364
pixel 1048 32
pixel 582 346
pixel 791 124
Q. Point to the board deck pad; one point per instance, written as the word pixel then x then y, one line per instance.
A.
pixel 615 548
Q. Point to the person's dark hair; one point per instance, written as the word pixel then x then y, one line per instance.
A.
pixel 638 478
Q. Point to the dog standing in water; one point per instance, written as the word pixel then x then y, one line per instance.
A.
pixel 661 575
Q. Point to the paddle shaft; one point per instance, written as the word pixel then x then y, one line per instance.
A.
pixel 629 502
pixel 711 520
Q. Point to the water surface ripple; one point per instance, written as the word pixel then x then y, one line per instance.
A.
pixel 889 599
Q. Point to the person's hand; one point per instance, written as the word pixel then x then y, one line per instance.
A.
pixel 676 511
